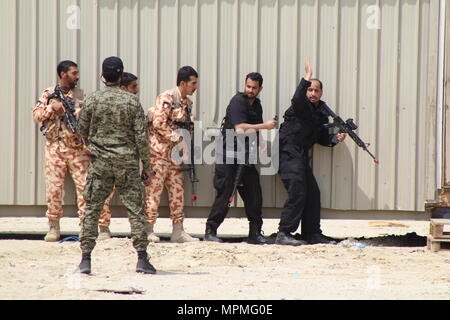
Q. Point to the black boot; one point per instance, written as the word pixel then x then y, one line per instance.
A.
pixel 85 265
pixel 254 234
pixel 211 234
pixel 143 265
pixel 284 238
pixel 317 238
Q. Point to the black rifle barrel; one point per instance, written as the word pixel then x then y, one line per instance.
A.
pixel 344 127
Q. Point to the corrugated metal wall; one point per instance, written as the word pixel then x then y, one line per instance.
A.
pixel 379 72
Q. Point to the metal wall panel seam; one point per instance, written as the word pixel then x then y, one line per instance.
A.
pixel 258 35
pixel 430 97
pixel 238 40
pixel 377 119
pixel 216 116
pixel 136 37
pixel 397 101
pixel 96 43
pixel 57 31
pixel 197 46
pixel 354 178
pixel 337 96
pixel 78 36
pixel 15 91
pixel 119 24
pixel 418 108
pixel 277 97
pixel 157 54
pixel 440 94
pixel 178 37
pixel 34 137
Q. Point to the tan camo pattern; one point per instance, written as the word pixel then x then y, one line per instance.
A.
pixel 168 176
pixel 63 153
pixel 105 216
pixel 57 131
pixel 57 163
pixel 163 138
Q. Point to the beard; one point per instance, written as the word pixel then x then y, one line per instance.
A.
pixel 73 84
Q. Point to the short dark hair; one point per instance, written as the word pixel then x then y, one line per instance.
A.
pixel 255 76
pixel 111 77
pixel 64 66
pixel 185 73
pixel 320 83
pixel 127 79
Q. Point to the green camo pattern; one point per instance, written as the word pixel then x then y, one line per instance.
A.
pixel 102 176
pixel 114 122
pixel 116 126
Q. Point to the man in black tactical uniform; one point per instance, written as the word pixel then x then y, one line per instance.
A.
pixel 243 116
pixel 304 125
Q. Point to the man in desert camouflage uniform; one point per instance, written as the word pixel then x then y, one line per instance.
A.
pixel 63 149
pixel 171 107
pixel 115 126
pixel 128 83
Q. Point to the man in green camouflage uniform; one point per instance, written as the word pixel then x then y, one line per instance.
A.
pixel 115 125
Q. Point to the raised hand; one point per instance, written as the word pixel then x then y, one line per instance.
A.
pixel 308 71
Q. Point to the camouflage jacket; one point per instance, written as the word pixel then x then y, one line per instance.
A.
pixel 53 127
pixel 115 124
pixel 163 132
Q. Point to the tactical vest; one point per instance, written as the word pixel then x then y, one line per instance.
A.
pixel 303 129
pixel 253 117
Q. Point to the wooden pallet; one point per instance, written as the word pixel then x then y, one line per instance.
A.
pixel 437 234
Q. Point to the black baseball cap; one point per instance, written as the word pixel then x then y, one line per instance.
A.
pixel 112 65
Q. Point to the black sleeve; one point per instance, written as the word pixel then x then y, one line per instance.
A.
pixel 325 138
pixel 238 111
pixel 299 101
pixel 260 114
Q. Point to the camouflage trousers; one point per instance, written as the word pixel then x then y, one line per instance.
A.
pixel 102 176
pixel 169 176
pixel 57 163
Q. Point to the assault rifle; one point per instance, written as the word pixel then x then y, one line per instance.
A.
pixel 239 171
pixel 69 118
pixel 190 168
pixel 237 182
pixel 347 127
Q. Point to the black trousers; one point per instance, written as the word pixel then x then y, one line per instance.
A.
pixel 250 192
pixel 303 202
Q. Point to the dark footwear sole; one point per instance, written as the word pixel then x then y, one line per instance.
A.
pixel 85 271
pixel 213 240
pixel 290 244
pixel 145 271
pixel 256 242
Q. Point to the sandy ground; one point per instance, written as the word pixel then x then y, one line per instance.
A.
pixel 34 269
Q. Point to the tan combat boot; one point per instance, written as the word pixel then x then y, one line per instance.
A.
pixel 178 234
pixel 152 237
pixel 54 232
pixel 103 233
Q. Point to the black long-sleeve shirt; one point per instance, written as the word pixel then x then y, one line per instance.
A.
pixel 303 126
pixel 304 122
